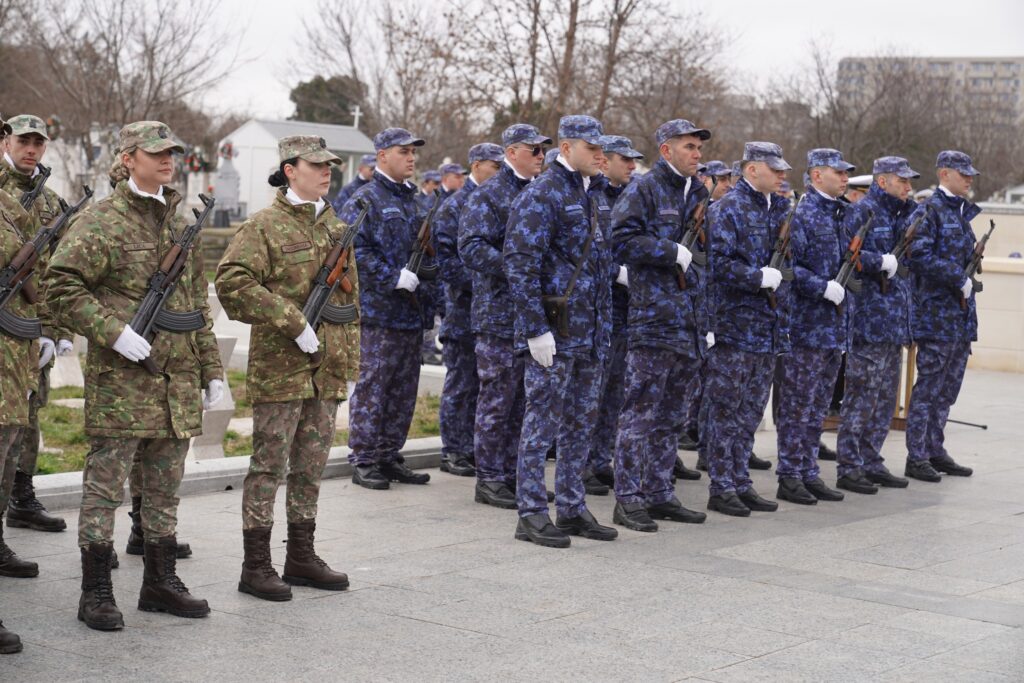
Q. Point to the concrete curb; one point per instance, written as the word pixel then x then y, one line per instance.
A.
pixel 64 491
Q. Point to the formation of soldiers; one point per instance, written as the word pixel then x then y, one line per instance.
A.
pixel 588 316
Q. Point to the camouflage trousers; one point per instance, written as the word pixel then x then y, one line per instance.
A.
pixel 869 401
pixel 161 466
pixel 696 392
pixel 611 393
pixel 805 390
pixel 458 397
pixel 652 416
pixel 26 446
pixel 736 389
pixel 384 399
pixel 293 438
pixel 499 409
pixel 940 373
pixel 8 464
pixel 561 408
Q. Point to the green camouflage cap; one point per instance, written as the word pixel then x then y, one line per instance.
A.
pixel 26 124
pixel 309 147
pixel 149 136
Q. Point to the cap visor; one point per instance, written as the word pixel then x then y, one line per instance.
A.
pixel 409 142
pixel 972 172
pixel 844 166
pixel 541 140
pixel 320 156
pixel 632 154
pixel 778 164
pixel 28 131
pixel 162 145
pixel 909 174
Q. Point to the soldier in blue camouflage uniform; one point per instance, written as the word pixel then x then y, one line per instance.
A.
pixel 458 398
pixel 363 175
pixel 666 331
pixel 880 329
pixel 453 178
pixel 392 317
pixel 819 329
pixel 620 164
pixel 945 320
pixel 552 240
pixel 749 333
pixel 550 156
pixel 428 191
pixel 500 401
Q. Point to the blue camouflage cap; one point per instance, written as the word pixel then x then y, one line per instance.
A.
pixel 677 127
pixel 434 176
pixel 702 169
pixel 368 160
pixel 785 187
pixel 523 133
pixel 958 161
pixel 768 152
pixel 621 145
pixel 581 127
pixel 485 151
pixel 550 156
pixel 826 156
pixel 737 168
pixel 897 165
pixel 395 137
pixel 717 168
pixel 452 168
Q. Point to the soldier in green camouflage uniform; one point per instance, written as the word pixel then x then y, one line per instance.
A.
pixel 264 279
pixel 23 151
pixel 96 279
pixel 18 363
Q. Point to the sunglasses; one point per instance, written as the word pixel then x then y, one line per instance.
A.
pixel 535 151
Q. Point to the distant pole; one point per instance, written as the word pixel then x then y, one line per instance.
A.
pixel 356 113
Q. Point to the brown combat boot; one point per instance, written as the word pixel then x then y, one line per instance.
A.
pixel 302 566
pixel 137 540
pixel 9 641
pixel 162 590
pixel 12 565
pixel 96 606
pixel 25 511
pixel 259 578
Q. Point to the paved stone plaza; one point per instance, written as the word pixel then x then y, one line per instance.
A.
pixel 924 584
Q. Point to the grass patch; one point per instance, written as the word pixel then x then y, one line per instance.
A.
pixel 63 428
pixel 67 392
pixel 236 380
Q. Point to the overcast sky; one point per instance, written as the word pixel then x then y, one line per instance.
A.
pixel 770 37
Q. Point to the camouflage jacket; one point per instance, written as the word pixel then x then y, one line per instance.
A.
pixel 481 240
pixel 18 357
pixel 458 285
pixel 96 279
pixel 264 279
pixel 881 318
pixel 938 260
pixel 647 223
pixel 742 232
pixel 620 293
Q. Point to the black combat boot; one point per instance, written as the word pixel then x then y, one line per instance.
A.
pixel 756 463
pixel 921 470
pixel 9 642
pixel 459 464
pixel 794 491
pixel 634 516
pixel 947 465
pixel 12 565
pixel 592 485
pixel 495 493
pixel 162 590
pixel 25 511
pixel 96 607
pixel 539 529
pixel 681 471
pixel 137 539
pixel 728 503
pixel 259 578
pixel 400 472
pixel 303 567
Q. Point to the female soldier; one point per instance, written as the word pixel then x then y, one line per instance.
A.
pixel 264 279
pixel 96 279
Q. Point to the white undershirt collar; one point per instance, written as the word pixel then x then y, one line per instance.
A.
pixel 295 200
pixel 586 179
pixel 159 196
pixel 518 174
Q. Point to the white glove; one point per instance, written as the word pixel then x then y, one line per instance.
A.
pixel 407 280
pixel 834 292
pixel 131 345
pixel 307 341
pixel 64 347
pixel 46 351
pixel 889 264
pixel 213 394
pixel 967 287
pixel 623 277
pixel 683 256
pixel 771 278
pixel 543 350
pixel 710 339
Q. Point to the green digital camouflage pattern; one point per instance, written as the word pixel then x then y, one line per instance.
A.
pixel 161 464
pixel 96 279
pixel 8 463
pixel 293 437
pixel 264 279
pixel 18 357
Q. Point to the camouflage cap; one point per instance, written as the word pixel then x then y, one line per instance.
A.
pixel 457 169
pixel 26 124
pixel 677 127
pixel 737 168
pixel 396 137
pixel 785 187
pixel 432 176
pixel 550 156
pixel 958 161
pixel 826 156
pixel 149 136
pixel 368 160
pixel 897 165
pixel 621 145
pixel 768 152
pixel 6 128
pixel 525 134
pixel 486 151
pixel 309 147
pixel 717 168
pixel 580 127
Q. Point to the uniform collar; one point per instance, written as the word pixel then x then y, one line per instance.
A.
pixel 576 174
pixel 392 184
pixel 295 200
pixel 746 188
pixel 885 200
pixel 516 173
pixel 159 196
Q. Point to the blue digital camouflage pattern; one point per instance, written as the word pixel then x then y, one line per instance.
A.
pixel 499 409
pixel 768 152
pixel 620 293
pixel 612 392
pixel 940 373
pixel 456 279
pixel 523 133
pixel 826 156
pixel 346 192
pixel 677 127
pixel 805 390
pixel 581 127
pixel 958 161
pixel 871 383
pixel 458 396
pixel 486 151
pixel 394 137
